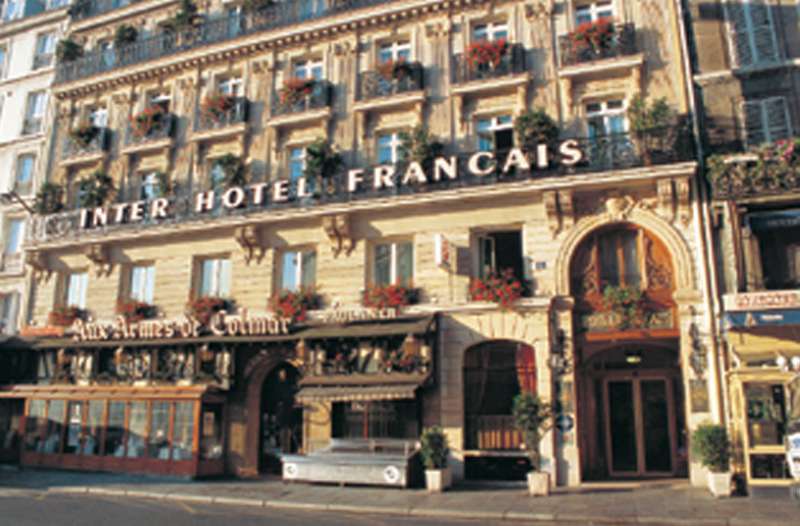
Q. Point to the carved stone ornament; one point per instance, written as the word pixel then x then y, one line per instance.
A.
pixel 620 207
pixel 337 228
pixel 559 209
pixel 100 256
pixel 249 239
pixel 538 10
pixel 38 262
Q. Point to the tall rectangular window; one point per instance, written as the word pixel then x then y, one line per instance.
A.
pixel 9 306
pixel 13 9
pixel 393 263
pixel 14 232
pixel 495 133
pixel 606 118
pixel 23 181
pixel 297 163
pixel 99 117
pixel 215 277
pixel 233 86
pixel 77 283
pixel 3 59
pixel 142 283
pixel 766 120
pixel 34 112
pixel 752 32
pixel 298 269
pixel 499 252
pixel 397 51
pixel 390 148
pixel 45 50
pixel 137 425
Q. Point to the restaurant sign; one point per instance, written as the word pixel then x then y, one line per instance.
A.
pixel 777 299
pixel 220 324
pixel 379 178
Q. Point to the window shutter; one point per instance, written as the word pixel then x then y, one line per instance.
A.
pixel 753 123
pixel 740 38
pixel 778 124
pixel 766 48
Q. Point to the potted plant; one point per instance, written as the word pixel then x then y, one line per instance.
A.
pixel 596 36
pixel 83 134
pixel 294 90
pixel 295 305
pixel 434 451
pixel 536 127
pixel 204 307
pixel 710 442
pixel 322 163
pixel 420 146
pixel 216 106
pixel 95 189
pixel 68 50
pixel 133 310
pixel 389 296
pixel 487 54
pixel 503 288
pixel 627 302
pixel 186 17
pixel 233 169
pixel 79 8
pixel 151 119
pixel 49 199
pixel 124 35
pixel 394 69
pixel 533 418
pixel 650 126
pixel 64 315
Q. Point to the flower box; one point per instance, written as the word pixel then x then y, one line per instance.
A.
pixel 216 106
pixel 151 119
pixel 389 296
pixel 394 70
pixel 597 36
pixel 64 316
pixel 295 305
pixel 487 54
pixel 133 310
pixel 84 134
pixel 295 90
pixel 503 288
pixel 204 308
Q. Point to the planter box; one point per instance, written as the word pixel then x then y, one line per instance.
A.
pixel 538 484
pixel 438 480
pixel 720 484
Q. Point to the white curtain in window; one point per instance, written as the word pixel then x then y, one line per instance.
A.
pixel 143 283
pixel 76 289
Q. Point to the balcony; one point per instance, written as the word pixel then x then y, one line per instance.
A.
pixel 76 152
pixel 11 263
pixel 158 137
pixel 772 170
pixel 43 60
pixel 221 123
pixel 405 78
pixel 218 27
pixel 511 63
pixel 623 44
pixel 305 108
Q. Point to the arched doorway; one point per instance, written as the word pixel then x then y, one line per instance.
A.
pixel 494 373
pixel 629 388
pixel 281 421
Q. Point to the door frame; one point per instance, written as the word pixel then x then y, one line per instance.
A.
pixel 636 377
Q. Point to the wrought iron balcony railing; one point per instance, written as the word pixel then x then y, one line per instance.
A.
pixel 162 130
pixel 511 62
pixel 216 120
pixel 400 78
pixel 600 154
pixel 218 27
pixel 574 51
pixel 320 97
pixel 74 149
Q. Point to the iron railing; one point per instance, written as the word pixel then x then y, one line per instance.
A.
pixel 512 62
pixel 320 97
pixel 622 44
pixel 235 115
pixel 74 149
pixel 403 78
pixel 218 27
pixel 600 154
pixel 162 130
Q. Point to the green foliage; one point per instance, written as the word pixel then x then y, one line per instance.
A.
pixel 648 117
pixel 420 146
pixel 79 8
pixel 533 417
pixel 125 34
pixel 49 199
pixel 254 6
pixel 434 448
pixel 165 184
pixel 535 127
pixel 94 190
pixel 68 50
pixel 233 168
pixel 628 302
pixel 186 17
pixel 322 162
pixel 711 443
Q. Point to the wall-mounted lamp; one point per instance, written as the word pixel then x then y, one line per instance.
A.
pixel 633 357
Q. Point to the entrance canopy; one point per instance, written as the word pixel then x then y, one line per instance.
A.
pixel 360 387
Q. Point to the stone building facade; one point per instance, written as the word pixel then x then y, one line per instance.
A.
pixel 201 187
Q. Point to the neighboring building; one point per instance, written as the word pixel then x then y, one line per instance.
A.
pixel 29 31
pixel 204 128
pixel 749 97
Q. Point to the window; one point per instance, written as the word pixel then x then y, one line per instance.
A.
pixel 390 148
pixel 591 12
pixel 311 8
pixel 142 283
pixel 15 230
pixel 393 419
pixel 55 426
pixel 183 431
pixel 491 31
pixel 150 187
pixel 495 133
pixel 3 58
pixel 13 9
pixel 99 117
pixel 394 51
pixel 766 429
pixel 211 439
pixel 137 423
pixel 215 277
pixel 9 305
pixel 308 69
pixel 618 256
pixel 23 183
pixel 35 425
pixel 115 432
pixel 606 118
pixel 393 264
pixel 106 48
pixel 45 50
pixel 232 86
pixel 158 441
pixel 752 32
pixel 34 112
pixel 766 120
pixel 74 427
pixel 161 99
pixel 94 427
pixel 297 163
pixel 216 176
pixel 77 283
pixel 499 251
pixel 299 269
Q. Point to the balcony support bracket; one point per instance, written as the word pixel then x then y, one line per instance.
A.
pixel 248 237
pixel 100 256
pixel 337 228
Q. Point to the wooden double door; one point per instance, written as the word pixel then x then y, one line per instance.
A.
pixel 640 431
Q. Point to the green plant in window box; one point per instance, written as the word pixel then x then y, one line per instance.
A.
pixel 124 35
pixel 420 146
pixel 232 168
pixel 651 126
pixel 166 186
pixel 79 8
pixel 95 189
pixel 295 305
pixel 203 308
pixel 185 18
pixel 536 127
pixel 629 302
pixel 323 163
pixel 68 50
pixel 49 199
pixel 83 134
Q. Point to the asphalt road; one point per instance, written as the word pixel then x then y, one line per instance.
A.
pixel 25 508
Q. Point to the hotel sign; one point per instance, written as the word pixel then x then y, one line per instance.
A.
pixel 778 299
pixel 221 324
pixel 358 180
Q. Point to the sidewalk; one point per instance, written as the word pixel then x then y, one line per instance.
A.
pixel 670 504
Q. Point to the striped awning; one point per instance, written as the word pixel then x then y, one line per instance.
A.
pixel 354 393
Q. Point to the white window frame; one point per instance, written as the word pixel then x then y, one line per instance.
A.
pixel 765 127
pixel 6 47
pixel 594 10
pixel 494 126
pixel 143 288
pixel 82 281
pixel 9 221
pixel 393 259
pixel 307 67
pixel 51 50
pixel 34 111
pixel 98 116
pixel 395 48
pixel 219 265
pixel 492 28
pixel 233 86
pixel 300 254
pixel 606 114
pixel 395 145
pixel 757 60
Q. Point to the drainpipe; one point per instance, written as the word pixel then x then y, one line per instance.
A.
pixel 703 225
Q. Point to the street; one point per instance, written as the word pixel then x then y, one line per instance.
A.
pixel 31 508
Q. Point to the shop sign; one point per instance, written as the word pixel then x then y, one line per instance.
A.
pixel 778 299
pixel 351 315
pixel 358 180
pixel 221 324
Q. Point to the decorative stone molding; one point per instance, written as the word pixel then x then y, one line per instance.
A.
pixel 619 208
pixel 249 239
pixel 674 199
pixel 337 228
pixel 559 209
pixel 38 261
pixel 538 10
pixel 100 256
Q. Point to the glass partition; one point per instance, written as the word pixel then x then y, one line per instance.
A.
pixel 137 429
pixel 94 427
pixel 55 427
pixel 115 432
pixel 35 425
pixel 158 440
pixel 183 435
pixel 74 427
